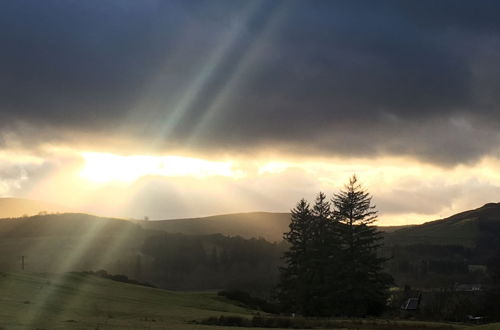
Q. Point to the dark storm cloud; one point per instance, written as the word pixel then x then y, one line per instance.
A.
pixel 335 77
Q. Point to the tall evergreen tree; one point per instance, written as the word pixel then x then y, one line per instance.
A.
pixel 306 279
pixel 332 266
pixel 318 255
pixel 364 285
pixel 294 276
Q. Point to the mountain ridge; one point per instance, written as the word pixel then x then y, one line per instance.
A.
pixel 468 228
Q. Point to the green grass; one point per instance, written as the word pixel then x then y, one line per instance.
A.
pixel 79 302
pixel 491 326
pixel 73 301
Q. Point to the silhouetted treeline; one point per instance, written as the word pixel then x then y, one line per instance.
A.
pixel 117 277
pixel 177 261
pixel 436 266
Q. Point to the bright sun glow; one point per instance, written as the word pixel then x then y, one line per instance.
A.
pixel 103 167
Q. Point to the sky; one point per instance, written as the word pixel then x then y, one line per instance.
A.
pixel 172 109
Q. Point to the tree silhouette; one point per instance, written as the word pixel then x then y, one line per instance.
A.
pixel 364 285
pixel 295 275
pixel 332 266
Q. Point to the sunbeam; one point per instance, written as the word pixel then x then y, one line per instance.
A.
pixel 103 168
pixel 243 62
pixel 217 70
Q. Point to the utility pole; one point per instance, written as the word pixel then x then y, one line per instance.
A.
pixel 22 262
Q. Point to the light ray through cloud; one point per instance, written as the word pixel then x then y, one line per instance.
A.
pixel 242 60
pixel 102 167
pixel 74 256
pixel 212 67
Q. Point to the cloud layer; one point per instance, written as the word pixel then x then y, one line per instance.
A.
pixel 323 78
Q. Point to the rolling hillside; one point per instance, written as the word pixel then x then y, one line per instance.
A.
pixel 154 251
pixel 440 253
pixel 58 243
pixel 85 302
pixel 474 228
pixel 69 242
pixel 270 226
pixel 267 225
pixel 75 301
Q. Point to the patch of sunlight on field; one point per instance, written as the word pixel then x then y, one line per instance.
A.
pixel 87 302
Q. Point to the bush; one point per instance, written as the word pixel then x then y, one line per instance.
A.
pixel 249 301
pixel 118 278
pixel 303 323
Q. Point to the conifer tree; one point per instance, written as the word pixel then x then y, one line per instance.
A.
pixel 332 266
pixel 319 253
pixel 364 285
pixel 294 276
pixel 306 279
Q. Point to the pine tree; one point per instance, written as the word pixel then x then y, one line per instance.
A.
pixel 294 276
pixel 332 266
pixel 318 258
pixel 363 284
pixel 306 279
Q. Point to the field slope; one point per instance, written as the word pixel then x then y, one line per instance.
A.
pixel 76 301
pixel 84 302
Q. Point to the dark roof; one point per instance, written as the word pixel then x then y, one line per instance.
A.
pixel 411 304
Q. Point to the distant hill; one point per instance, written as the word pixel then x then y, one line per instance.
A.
pixel 70 241
pixel 470 228
pixel 63 224
pixel 162 252
pixel 444 252
pixel 473 228
pixel 57 243
pixel 269 226
pixel 18 207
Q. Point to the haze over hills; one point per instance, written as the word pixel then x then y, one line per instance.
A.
pixel 64 242
pixel 18 207
pixel 458 228
pixel 467 228
pixel 270 226
pixel 57 243
pixel 267 225
pixel 151 250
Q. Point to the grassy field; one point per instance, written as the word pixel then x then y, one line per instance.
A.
pixel 29 301
pixel 74 301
